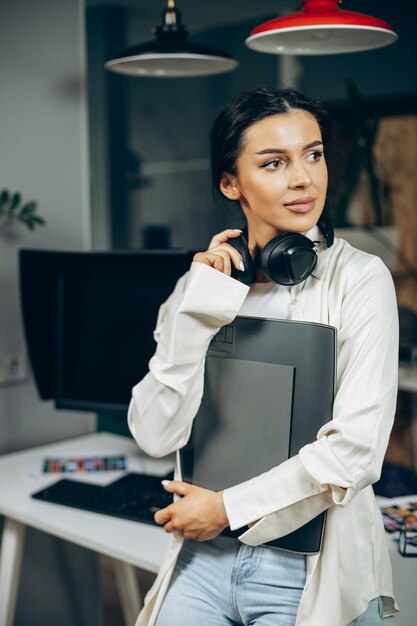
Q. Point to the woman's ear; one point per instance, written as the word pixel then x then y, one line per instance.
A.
pixel 229 186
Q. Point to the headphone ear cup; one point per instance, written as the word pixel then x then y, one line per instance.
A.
pixel 288 259
pixel 248 276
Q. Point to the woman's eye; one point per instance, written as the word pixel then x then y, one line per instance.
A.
pixel 274 164
pixel 315 156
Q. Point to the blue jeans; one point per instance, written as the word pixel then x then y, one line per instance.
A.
pixel 372 616
pixel 226 583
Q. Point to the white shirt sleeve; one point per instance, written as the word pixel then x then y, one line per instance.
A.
pixel 349 450
pixel 165 402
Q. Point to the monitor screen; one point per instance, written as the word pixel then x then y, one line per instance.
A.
pixel 103 321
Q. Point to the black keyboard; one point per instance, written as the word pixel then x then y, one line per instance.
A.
pixel 135 496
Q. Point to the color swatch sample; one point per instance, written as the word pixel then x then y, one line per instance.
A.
pixel 83 464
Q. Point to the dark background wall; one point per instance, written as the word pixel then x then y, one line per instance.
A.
pixel 165 122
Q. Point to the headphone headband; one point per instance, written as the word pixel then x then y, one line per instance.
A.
pixel 326 229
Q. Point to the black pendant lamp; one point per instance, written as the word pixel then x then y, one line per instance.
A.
pixel 171 54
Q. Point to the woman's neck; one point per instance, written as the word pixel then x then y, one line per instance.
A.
pixel 254 249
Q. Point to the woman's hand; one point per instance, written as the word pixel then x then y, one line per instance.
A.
pixel 220 254
pixel 199 514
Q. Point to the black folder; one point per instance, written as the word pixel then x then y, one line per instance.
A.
pixel 269 387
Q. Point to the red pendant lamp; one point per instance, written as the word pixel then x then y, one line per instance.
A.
pixel 321 27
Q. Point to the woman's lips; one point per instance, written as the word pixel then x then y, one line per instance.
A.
pixel 303 205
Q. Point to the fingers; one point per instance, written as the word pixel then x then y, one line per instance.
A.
pixel 163 515
pixel 177 486
pixel 173 486
pixel 229 233
pixel 233 255
pixel 170 527
pixel 199 514
pixel 222 261
pixel 220 254
pixel 217 259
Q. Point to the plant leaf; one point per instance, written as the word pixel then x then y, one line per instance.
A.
pixel 28 208
pixel 37 219
pixel 16 199
pixel 10 206
pixel 4 198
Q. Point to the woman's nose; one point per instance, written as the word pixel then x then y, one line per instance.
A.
pixel 299 177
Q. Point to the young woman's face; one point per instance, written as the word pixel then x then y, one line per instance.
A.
pixel 281 179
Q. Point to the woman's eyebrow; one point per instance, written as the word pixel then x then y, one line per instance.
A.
pixel 313 144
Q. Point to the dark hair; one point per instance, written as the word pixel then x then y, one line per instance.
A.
pixel 227 133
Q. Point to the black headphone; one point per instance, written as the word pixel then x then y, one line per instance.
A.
pixel 287 259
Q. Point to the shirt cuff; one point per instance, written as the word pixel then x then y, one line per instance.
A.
pixel 286 520
pixel 272 491
pixel 211 299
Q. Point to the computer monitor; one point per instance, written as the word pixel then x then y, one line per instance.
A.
pixel 91 338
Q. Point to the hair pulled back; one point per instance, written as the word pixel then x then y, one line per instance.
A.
pixel 227 133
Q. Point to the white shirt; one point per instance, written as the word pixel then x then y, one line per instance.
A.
pixel 267 300
pixel 352 291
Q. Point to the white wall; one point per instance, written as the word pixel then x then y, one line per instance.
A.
pixel 43 154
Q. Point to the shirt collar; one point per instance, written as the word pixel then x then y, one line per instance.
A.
pixel 317 237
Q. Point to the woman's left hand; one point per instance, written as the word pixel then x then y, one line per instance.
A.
pixel 199 514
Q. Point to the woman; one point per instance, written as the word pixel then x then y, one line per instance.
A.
pixel 268 156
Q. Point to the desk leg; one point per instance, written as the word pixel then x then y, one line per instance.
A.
pixel 10 561
pixel 129 591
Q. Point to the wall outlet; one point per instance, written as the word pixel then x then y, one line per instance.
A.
pixel 12 368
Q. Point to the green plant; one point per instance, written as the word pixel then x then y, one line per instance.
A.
pixel 12 208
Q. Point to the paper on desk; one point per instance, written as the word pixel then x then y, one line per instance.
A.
pixel 85 464
pixel 395 514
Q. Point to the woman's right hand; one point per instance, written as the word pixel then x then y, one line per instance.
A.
pixel 220 254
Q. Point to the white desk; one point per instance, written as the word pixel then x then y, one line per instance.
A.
pixel 127 543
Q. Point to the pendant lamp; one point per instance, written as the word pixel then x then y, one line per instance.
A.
pixel 321 27
pixel 170 54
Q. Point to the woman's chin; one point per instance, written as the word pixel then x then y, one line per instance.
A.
pixel 302 222
pixel 295 223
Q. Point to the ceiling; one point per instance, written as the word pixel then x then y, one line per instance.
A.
pixel 203 14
